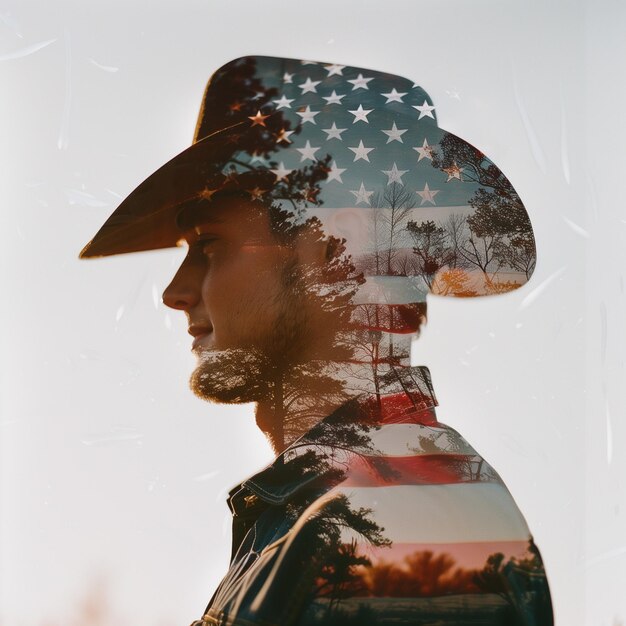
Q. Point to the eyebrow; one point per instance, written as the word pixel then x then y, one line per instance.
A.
pixel 196 213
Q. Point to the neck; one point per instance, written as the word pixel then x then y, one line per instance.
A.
pixel 301 396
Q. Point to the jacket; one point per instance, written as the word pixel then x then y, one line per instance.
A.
pixel 380 515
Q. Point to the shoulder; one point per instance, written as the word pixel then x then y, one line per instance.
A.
pixel 377 528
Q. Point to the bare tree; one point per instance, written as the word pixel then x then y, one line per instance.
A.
pixel 482 253
pixel 391 209
pixel 456 229
pixel 520 255
pixel 470 249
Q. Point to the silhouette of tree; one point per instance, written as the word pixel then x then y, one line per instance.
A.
pixel 431 248
pixel 522 583
pixel 452 277
pixel 480 251
pixel 421 574
pixel 427 572
pixel 445 253
pixel 339 578
pixel 500 219
pixel 456 229
pixel 336 561
pixel 491 578
pixel 520 254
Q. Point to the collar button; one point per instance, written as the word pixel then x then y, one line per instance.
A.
pixel 250 500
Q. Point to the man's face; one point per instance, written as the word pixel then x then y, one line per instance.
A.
pixel 234 288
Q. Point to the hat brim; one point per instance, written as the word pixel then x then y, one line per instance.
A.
pixel 146 219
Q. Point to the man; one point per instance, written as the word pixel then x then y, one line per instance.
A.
pixel 320 204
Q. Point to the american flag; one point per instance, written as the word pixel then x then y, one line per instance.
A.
pixel 376 129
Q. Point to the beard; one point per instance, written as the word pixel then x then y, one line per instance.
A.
pixel 231 376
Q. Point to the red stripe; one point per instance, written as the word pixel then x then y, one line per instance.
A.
pixel 400 408
pixel 390 318
pixel 430 469
pixel 466 554
pixel 405 329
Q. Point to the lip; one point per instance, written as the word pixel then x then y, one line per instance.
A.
pixel 197 342
pixel 199 332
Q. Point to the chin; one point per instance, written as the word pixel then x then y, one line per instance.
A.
pixel 232 376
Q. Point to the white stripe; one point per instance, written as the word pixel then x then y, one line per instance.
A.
pixel 391 290
pixel 417 439
pixel 394 440
pixel 442 513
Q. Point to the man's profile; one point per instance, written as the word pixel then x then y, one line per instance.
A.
pixel 320 204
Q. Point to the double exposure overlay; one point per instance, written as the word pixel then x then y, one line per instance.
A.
pixel 320 205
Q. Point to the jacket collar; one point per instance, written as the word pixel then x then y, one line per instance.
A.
pixel 409 398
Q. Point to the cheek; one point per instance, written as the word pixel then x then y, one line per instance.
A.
pixel 242 298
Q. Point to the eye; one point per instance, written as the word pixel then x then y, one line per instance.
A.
pixel 207 244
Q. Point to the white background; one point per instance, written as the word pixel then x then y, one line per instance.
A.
pixel 113 476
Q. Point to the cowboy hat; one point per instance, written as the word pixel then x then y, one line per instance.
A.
pixel 356 148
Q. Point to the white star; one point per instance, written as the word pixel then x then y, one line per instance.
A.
pixel 335 69
pixel 333 132
pixel 287 78
pixel 309 62
pixel 334 173
pixel 393 134
pixel 309 86
pixel 308 152
pixel 359 82
pixel 394 174
pixel 362 195
pixel 454 171
pixel 334 98
pixel 361 152
pixel 283 135
pixel 360 114
pixel 424 109
pixel 284 102
pixel 425 152
pixel 394 96
pixel 427 194
pixel 307 115
pixel 281 172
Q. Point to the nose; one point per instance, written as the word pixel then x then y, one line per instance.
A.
pixel 183 292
